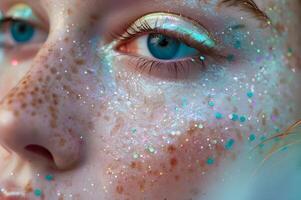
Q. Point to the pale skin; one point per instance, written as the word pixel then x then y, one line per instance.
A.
pixel 115 132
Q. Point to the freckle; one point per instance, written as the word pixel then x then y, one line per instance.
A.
pixel 16 113
pixel 69 11
pixel 74 69
pixel 59 77
pixel 142 185
pixel 46 66
pixel 94 17
pixel 177 177
pixel 66 39
pixel 11 95
pixel 10 102
pixel 119 189
pixel 36 89
pixel 79 62
pixel 33 103
pixel 53 124
pixel 62 142
pixel 33 114
pixel 40 79
pixel 32 93
pixel 21 94
pixel 171 149
pixel 53 70
pixel 28 187
pixel 40 101
pixel 47 78
pixel 173 162
pixel 24 105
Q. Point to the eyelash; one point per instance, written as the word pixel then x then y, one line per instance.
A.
pixel 142 27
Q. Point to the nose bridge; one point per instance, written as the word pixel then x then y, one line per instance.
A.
pixel 43 109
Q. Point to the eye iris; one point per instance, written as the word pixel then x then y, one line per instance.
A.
pixel 162 46
pixel 22 32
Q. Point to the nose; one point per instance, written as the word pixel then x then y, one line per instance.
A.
pixel 39 123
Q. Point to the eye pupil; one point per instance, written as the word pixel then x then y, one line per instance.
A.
pixel 162 46
pixel 22 32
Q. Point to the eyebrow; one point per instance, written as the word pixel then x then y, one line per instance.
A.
pixel 248 6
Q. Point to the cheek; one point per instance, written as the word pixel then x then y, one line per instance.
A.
pixel 11 72
pixel 147 146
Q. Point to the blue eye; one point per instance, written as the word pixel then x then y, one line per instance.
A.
pixel 21 32
pixel 166 48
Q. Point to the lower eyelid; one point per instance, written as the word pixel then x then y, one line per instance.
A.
pixel 183 69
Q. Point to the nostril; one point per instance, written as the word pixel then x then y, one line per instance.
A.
pixel 39 150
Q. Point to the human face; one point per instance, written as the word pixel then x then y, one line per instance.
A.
pixel 129 99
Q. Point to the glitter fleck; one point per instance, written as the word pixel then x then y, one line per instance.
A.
pixel 252 137
pixel 38 192
pixel 242 119
pixel 135 155
pixel 229 144
pixel 133 130
pixel 49 177
pixel 234 117
pixel 211 103
pixel 210 161
pixel 250 94
pixel 151 149
pixel 218 115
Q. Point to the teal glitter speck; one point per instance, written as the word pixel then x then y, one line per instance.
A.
pixel 229 144
pixel 242 119
pixel 38 192
pixel 49 177
pixel 218 115
pixel 234 117
pixel 210 161
pixel 250 94
pixel 211 103
pixel 252 137
pixel 202 58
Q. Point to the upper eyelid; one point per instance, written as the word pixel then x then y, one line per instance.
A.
pixel 40 13
pixel 186 27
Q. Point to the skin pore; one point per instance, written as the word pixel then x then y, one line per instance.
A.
pixel 86 114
